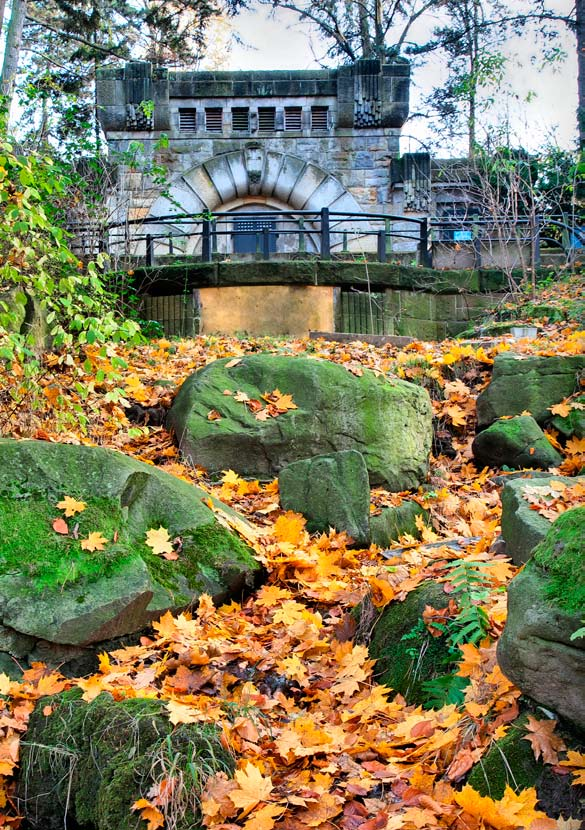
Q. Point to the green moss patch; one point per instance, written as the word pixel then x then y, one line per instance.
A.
pixel 86 764
pixel 560 554
pixel 509 763
pixel 52 560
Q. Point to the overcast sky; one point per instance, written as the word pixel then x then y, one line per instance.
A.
pixel 280 41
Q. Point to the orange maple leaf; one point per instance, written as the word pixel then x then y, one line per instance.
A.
pixel 264 817
pixel 290 527
pixel 253 787
pixel 149 813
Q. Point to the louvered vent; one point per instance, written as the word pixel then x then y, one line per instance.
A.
pixel 293 118
pixel 187 120
pixel 266 118
pixel 240 119
pixel 213 119
pixel 320 118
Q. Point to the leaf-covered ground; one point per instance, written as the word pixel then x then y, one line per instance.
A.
pixel 317 742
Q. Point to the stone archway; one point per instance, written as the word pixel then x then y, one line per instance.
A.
pixel 251 175
pixel 252 172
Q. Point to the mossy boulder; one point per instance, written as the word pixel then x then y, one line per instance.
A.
pixel 393 522
pixel 522 527
pixel 528 383
pixel 388 421
pixel 516 443
pixel 510 762
pixel 330 491
pixel 546 606
pixel 85 764
pixel 51 589
pixel 405 652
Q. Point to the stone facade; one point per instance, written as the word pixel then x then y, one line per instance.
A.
pixel 282 140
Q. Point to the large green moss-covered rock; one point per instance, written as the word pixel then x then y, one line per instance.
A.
pixel 406 654
pixel 522 527
pixel 388 421
pixel 528 382
pixel 330 491
pixel 546 607
pixel 53 590
pixel 85 765
pixel 517 443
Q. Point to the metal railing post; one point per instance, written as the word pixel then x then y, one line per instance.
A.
pixel 149 250
pixel 325 234
pixel 265 243
pixel 381 246
pixel 206 240
pixel 424 254
pixel 302 247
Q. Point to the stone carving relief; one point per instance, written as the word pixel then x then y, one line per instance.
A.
pixel 254 162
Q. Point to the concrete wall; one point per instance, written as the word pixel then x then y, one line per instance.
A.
pixel 258 310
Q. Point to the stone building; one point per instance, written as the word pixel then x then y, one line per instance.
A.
pixel 242 142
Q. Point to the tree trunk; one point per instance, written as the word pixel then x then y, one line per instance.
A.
pixel 12 49
pixel 580 20
pixel 2 7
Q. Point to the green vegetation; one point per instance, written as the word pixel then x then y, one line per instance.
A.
pixel 560 554
pixel 510 762
pixel 51 560
pixel 97 759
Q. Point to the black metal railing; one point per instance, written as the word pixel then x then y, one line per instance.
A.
pixel 324 234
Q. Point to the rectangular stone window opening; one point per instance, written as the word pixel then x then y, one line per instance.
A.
pixel 213 119
pixel 293 118
pixel 320 118
pixel 241 119
pixel 266 118
pixel 188 120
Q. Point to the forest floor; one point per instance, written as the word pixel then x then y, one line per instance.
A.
pixel 318 743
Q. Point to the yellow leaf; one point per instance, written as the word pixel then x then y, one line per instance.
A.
pixel 95 541
pixel 159 540
pixel 71 506
pixel 290 527
pixel 576 762
pixel 183 713
pixel 563 409
pixel 230 478
pixel 253 788
pixel 263 819
pixel 510 812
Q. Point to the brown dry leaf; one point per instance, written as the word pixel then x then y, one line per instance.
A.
pixel 71 506
pixel 563 409
pixel 95 541
pixel 213 415
pixel 545 744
